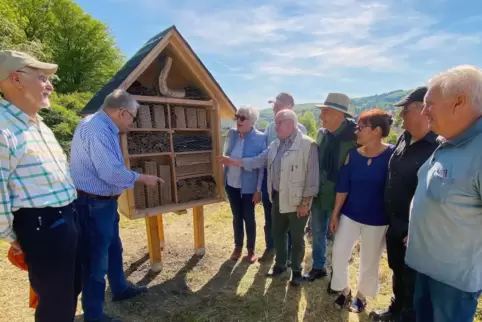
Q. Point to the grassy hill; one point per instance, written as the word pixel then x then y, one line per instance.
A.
pixel 384 101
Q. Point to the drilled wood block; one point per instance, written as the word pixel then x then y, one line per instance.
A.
pixel 158 116
pixel 200 168
pixel 150 167
pixel 148 142
pixel 191 117
pixel 139 192
pixel 192 159
pixel 189 143
pixel 144 120
pixel 179 117
pixel 196 189
pixel 166 187
pixel 202 121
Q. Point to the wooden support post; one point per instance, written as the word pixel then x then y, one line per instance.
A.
pixel 198 223
pixel 160 227
pixel 154 243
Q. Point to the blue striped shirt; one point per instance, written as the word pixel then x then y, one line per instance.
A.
pixel 97 165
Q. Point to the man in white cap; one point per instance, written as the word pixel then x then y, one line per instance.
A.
pixel 283 101
pixel 37 216
pixel 334 140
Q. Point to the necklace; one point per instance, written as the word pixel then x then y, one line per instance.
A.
pixel 369 162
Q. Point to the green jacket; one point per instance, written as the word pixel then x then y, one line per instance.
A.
pixel 325 200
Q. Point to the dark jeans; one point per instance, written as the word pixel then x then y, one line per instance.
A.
pixel 242 207
pixel 49 238
pixel 438 302
pixel 403 279
pixel 100 223
pixel 281 224
pixel 268 234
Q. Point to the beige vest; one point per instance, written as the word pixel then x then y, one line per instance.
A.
pixel 293 172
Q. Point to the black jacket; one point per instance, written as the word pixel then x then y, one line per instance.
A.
pixel 402 179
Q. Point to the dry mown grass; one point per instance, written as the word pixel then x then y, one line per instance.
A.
pixel 210 288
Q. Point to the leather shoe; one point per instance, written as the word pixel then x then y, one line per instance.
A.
pixel 296 279
pixel 130 292
pixel 267 256
pixel 276 271
pixel 315 274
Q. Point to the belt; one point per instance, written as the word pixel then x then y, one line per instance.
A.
pixel 90 195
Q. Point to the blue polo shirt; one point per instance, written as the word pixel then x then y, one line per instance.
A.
pixel 445 230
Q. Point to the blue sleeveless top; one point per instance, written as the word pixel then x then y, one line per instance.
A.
pixel 364 181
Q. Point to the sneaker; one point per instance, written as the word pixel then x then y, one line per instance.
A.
pixel 358 306
pixel 342 301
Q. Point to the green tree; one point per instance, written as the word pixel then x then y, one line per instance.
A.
pixel 309 121
pixel 262 124
pixel 391 138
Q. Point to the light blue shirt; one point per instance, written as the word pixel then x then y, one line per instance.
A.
pixel 270 131
pixel 96 165
pixel 234 173
pixel 445 230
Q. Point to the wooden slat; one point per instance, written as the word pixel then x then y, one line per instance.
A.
pixel 143 155
pixel 173 166
pixel 159 116
pixel 166 188
pixel 202 122
pixel 148 130
pixel 154 243
pixel 198 223
pixel 192 159
pixel 174 207
pixel 195 175
pixel 171 100
pixel 193 152
pixel 217 149
pixel 180 114
pixel 191 118
pixel 150 168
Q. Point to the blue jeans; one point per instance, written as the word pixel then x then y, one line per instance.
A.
pixel 242 207
pixel 319 228
pixel 100 224
pixel 267 205
pixel 438 302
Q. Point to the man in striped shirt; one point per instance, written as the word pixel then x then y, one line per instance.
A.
pixel 36 191
pixel 100 177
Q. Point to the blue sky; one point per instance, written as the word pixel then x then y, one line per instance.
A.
pixel 257 48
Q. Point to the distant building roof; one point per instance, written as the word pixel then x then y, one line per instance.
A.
pixel 96 101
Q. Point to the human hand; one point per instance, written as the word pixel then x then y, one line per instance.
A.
pixel 405 241
pixel 224 160
pixel 334 223
pixel 150 180
pixel 257 197
pixel 16 247
pixel 303 211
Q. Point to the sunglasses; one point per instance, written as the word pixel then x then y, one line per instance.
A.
pixel 242 118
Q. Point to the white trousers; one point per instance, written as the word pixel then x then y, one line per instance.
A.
pixel 372 244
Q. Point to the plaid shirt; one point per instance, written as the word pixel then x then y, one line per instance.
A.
pixel 34 171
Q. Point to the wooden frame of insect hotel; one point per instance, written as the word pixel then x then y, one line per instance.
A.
pixel 177 135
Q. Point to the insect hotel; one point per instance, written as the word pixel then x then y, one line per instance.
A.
pixel 177 135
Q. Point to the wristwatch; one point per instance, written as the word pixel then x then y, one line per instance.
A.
pixel 305 202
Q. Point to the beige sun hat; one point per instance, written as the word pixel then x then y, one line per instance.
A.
pixel 12 61
pixel 337 101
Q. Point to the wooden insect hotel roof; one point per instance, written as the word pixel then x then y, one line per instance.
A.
pixel 172 41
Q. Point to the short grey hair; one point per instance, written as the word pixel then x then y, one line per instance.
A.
pixel 461 79
pixel 250 112
pixel 120 98
pixel 288 115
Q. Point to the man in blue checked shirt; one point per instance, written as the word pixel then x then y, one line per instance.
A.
pixel 100 176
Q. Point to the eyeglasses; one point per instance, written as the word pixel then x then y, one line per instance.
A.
pixel 360 128
pixel 242 118
pixel 42 78
pixel 134 117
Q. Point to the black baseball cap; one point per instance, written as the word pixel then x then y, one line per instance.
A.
pixel 416 95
